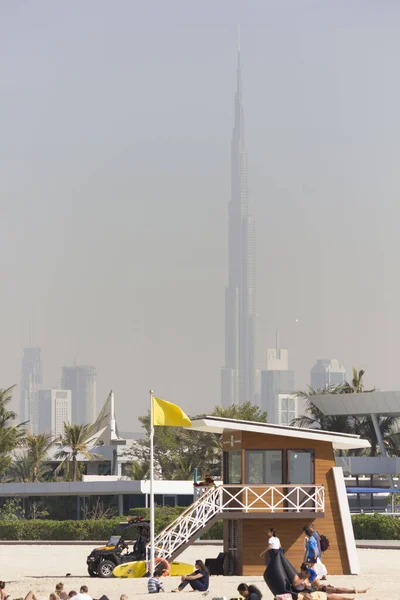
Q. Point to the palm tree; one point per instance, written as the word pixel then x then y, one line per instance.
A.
pixel 75 441
pixel 138 469
pixel 362 426
pixel 356 386
pixel 37 448
pixel 387 425
pixel 315 418
pixel 184 468
pixel 365 426
pixel 10 434
pixel 21 470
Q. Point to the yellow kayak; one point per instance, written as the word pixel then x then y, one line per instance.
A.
pixel 178 568
pixel 138 568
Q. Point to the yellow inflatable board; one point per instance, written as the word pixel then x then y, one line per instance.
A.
pixel 138 569
pixel 131 569
pixel 177 568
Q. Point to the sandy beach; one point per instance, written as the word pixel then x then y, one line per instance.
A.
pixel 39 568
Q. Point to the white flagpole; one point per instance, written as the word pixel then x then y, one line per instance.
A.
pixel 151 486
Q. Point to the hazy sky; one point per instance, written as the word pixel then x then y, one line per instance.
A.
pixel 116 121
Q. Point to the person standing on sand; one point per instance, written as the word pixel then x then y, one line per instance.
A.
pixel 274 543
pixel 320 568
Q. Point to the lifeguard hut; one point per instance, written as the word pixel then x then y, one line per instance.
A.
pixel 273 476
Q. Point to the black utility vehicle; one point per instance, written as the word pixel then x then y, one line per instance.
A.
pixel 136 532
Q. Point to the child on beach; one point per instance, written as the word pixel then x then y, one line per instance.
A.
pixel 154 585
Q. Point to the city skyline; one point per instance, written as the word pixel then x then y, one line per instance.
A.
pixel 240 377
pixel 31 383
pixel 81 381
pixel 115 180
pixel 54 411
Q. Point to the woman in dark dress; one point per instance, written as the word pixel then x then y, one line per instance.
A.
pixel 250 592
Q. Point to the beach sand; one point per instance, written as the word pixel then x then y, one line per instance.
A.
pixel 39 568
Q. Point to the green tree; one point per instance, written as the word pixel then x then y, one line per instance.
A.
pixel 138 469
pixel 360 425
pixel 74 442
pixel 21 470
pixel 172 444
pixel 11 509
pixel 10 434
pixel 314 418
pixel 246 411
pixel 37 448
pixel 356 386
pixel 178 451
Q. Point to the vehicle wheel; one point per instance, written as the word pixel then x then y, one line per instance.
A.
pixel 106 569
pixel 92 573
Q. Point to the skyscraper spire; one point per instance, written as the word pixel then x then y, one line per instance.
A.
pixel 240 376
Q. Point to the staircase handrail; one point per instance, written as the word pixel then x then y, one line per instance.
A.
pixel 189 510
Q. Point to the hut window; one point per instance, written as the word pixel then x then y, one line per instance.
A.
pixel 300 466
pixel 264 466
pixel 233 467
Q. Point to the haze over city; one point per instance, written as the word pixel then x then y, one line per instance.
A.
pixel 115 183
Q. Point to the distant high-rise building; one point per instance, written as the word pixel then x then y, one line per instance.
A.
pixel 31 382
pixel 54 411
pixel 327 371
pixel 277 387
pixel 241 374
pixel 81 380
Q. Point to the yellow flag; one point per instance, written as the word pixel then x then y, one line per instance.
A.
pixel 168 414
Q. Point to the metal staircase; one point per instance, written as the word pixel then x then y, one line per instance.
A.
pixel 234 499
pixel 182 532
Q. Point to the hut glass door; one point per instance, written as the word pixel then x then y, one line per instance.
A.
pixel 300 471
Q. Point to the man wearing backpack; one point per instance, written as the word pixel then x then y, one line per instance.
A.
pixel 320 567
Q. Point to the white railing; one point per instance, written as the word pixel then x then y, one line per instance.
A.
pixel 235 498
pixel 273 498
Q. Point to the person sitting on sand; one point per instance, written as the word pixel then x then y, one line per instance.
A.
pixel 72 593
pixel 154 585
pixel 312 589
pixel 307 573
pixel 250 592
pixel 199 579
pixel 3 595
pixel 31 596
pixel 60 592
pixel 83 594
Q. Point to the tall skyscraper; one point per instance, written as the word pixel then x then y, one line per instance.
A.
pixel 277 387
pixel 31 382
pixel 241 374
pixel 327 371
pixel 81 380
pixel 54 411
